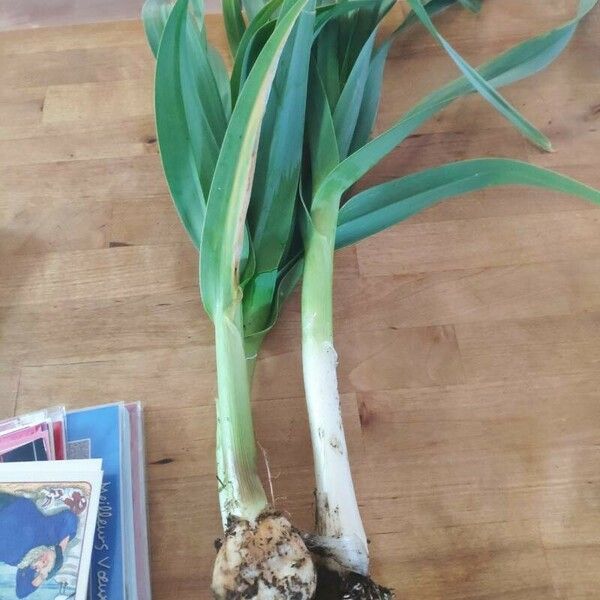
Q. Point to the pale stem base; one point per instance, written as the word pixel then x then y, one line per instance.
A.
pixel 338 516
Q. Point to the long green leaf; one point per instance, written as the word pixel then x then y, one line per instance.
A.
pixel 273 199
pixel 234 23
pixel 230 192
pixel 326 53
pixel 322 143
pixel 367 115
pixel 241 65
pixel 372 94
pixel 155 14
pixel 355 30
pixel 384 205
pixel 174 136
pixel 481 85
pixel 433 8
pixel 253 7
pixel 222 80
pixel 523 60
pixel 208 90
pixel 345 115
pixel 202 104
pixel 333 11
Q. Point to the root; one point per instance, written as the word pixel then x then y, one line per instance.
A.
pixel 269 477
pixel 332 585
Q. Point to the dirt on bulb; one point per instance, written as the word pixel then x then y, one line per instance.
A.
pixel 264 560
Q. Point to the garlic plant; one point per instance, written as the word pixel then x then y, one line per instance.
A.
pixel 258 162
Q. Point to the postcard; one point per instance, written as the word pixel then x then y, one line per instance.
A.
pixel 48 514
pixel 99 432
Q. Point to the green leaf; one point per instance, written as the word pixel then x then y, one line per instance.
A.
pixel 222 80
pixel 384 205
pixel 369 106
pixel 355 30
pixel 273 198
pixel 253 7
pixel 329 12
pixel 521 61
pixel 247 261
pixel 223 232
pixel 204 112
pixel 372 93
pixel 154 17
pixel 234 23
pixel 472 5
pixel 433 8
pixel 286 283
pixel 481 85
pixel 197 57
pixel 180 164
pixel 241 66
pixel 322 143
pixel 328 63
pixel 345 115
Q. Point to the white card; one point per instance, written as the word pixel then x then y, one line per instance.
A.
pixel 48 513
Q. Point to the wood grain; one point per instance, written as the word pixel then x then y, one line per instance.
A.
pixel 468 337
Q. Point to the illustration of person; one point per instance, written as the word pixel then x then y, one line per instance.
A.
pixel 33 542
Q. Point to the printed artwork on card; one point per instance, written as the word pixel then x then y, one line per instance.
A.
pixel 46 530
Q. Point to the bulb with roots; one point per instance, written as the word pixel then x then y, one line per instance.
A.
pixel 343 570
pixel 264 560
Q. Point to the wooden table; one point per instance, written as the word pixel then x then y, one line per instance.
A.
pixel 469 337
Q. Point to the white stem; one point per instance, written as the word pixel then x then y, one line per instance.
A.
pixel 337 509
pixel 338 515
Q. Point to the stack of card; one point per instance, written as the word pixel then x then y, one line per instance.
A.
pixel 33 437
pixel 73 519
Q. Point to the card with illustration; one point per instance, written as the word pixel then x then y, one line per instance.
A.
pixel 48 514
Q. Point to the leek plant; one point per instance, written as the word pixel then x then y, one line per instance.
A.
pixel 257 162
pixel 221 154
pixel 345 82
